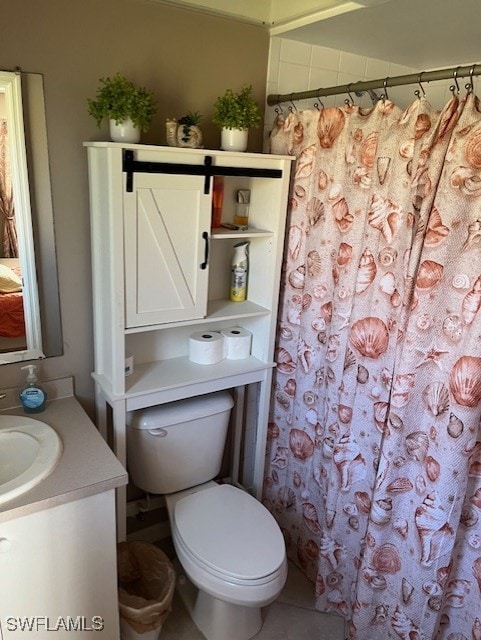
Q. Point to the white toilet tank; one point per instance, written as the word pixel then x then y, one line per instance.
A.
pixel 178 445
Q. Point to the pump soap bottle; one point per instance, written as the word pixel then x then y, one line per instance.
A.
pixel 33 397
pixel 239 272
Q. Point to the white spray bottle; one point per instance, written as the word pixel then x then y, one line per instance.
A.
pixel 239 272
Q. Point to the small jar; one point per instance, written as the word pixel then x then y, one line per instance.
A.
pixel 241 216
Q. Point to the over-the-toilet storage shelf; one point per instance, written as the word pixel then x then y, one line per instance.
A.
pixel 160 273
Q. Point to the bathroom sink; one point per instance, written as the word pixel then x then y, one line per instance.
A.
pixel 29 450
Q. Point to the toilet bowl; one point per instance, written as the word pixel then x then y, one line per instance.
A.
pixel 232 550
pixel 229 545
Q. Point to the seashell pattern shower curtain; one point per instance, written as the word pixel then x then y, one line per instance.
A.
pixel 374 448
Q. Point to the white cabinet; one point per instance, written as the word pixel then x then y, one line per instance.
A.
pixel 160 273
pixel 58 572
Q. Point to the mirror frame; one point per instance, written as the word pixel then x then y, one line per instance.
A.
pixel 10 85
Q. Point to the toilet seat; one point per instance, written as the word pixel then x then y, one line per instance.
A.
pixel 230 534
pixel 221 577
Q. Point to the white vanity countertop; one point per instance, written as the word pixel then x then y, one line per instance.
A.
pixel 86 467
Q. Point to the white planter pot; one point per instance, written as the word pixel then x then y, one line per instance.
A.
pixel 234 139
pixel 124 132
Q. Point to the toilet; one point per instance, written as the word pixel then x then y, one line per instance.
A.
pixel 230 547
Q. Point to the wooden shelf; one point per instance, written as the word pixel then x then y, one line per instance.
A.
pixel 176 372
pixel 219 233
pixel 166 380
pixel 217 311
pixel 227 310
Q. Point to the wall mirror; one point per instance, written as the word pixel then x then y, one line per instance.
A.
pixel 30 325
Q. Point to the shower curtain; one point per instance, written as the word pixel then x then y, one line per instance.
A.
pixel 373 465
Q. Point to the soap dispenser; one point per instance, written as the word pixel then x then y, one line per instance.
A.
pixel 32 396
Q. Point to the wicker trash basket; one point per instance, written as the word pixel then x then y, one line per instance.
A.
pixel 146 580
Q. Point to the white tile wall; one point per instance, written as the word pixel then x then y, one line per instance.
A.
pixel 377 68
pixel 297 52
pixel 325 58
pixel 297 66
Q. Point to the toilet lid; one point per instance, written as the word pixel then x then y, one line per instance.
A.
pixel 231 532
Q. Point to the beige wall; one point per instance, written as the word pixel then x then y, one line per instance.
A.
pixel 186 58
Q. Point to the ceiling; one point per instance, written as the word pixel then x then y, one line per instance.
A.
pixel 270 13
pixel 423 34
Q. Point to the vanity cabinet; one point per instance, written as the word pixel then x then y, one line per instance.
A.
pixel 160 274
pixel 58 572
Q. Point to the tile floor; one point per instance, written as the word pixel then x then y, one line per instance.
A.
pixel 291 617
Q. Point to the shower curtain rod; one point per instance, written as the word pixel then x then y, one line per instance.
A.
pixel 381 83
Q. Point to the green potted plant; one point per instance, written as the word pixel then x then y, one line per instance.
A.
pixel 188 132
pixel 127 107
pixel 235 113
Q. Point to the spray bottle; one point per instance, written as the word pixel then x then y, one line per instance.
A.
pixel 33 397
pixel 239 272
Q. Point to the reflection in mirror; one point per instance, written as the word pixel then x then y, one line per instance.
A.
pixel 29 306
pixel 19 306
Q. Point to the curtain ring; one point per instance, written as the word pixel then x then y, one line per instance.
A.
pixel 470 86
pixel 385 95
pixel 320 103
pixel 349 93
pixel 349 101
pixel 293 108
pixel 455 76
pixel 417 92
pixel 278 109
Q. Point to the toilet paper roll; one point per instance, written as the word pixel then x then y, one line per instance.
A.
pixel 206 347
pixel 237 343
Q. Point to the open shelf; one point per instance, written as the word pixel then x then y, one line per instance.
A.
pixel 221 233
pixel 167 380
pixel 175 372
pixel 217 311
